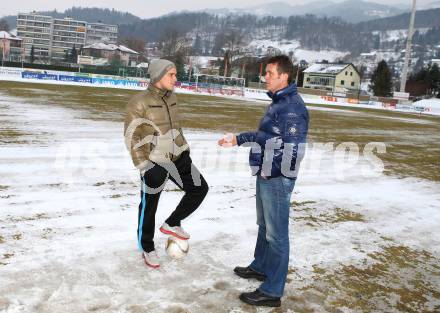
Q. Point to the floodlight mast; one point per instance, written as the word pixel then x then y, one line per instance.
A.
pixel 408 48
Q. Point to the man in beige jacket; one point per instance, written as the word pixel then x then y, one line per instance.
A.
pixel 154 137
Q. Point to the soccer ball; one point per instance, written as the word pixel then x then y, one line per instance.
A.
pixel 176 248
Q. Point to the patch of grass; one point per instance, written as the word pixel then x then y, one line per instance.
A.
pixel 411 140
pixel 342 215
pixel 318 270
pixel 314 217
pixel 17 236
pixel 303 209
pixel 299 203
pixel 39 216
pixel 8 255
pixel 396 279
pixel 386 238
pixel 11 135
pixel 54 185
pixel 2 240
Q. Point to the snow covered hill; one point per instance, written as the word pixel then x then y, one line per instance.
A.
pixel 351 10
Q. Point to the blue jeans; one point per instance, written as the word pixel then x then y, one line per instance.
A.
pixel 271 255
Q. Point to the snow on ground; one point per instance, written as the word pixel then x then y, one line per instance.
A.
pixel 426 108
pixel 283 45
pixel 428 103
pixel 69 197
pixel 431 105
pixel 397 34
pixel 286 46
pixel 317 56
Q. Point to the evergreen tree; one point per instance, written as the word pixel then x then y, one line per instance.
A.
pixel 74 55
pixel 115 61
pixel 419 64
pixel 430 75
pixel 32 54
pixel 179 60
pixel 434 79
pixel 381 82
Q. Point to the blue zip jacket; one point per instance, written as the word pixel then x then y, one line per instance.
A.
pixel 278 145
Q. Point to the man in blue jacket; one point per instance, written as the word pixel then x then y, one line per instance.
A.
pixel 277 148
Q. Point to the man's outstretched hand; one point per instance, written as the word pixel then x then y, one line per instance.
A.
pixel 228 140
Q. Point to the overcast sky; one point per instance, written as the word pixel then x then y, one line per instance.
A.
pixel 144 8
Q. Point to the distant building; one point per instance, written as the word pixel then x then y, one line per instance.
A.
pixel 330 76
pixel 35 30
pixel 368 57
pixel 67 34
pixel 303 63
pixel 271 51
pixel 99 32
pixel 126 56
pixel 205 65
pixel 89 60
pixel 53 38
pixel 10 47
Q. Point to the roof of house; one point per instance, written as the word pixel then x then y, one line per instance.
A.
pixel 6 35
pixel 110 47
pixel 327 68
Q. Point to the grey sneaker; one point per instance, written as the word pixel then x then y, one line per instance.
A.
pixel 175 231
pixel 151 259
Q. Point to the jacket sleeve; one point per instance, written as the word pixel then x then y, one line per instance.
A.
pixel 246 137
pixel 136 132
pixel 294 127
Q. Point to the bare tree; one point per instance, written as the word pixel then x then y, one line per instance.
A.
pixel 137 45
pixel 173 42
pixel 233 44
pixel 234 41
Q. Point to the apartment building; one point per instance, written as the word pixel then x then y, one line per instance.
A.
pixel 67 34
pixel 54 38
pixel 99 32
pixel 35 30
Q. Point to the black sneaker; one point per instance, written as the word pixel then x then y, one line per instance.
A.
pixel 247 272
pixel 260 299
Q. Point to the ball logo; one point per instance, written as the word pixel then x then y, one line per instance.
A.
pixel 176 248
